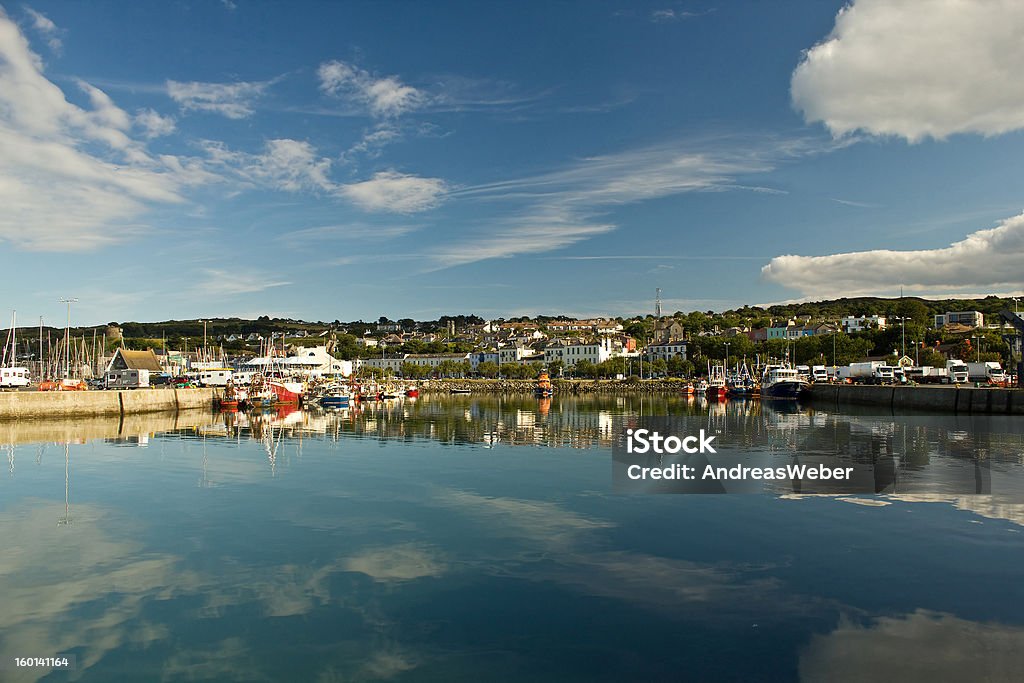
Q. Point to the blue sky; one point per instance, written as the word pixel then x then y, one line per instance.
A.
pixel 350 160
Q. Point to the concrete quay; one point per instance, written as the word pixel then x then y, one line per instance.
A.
pixel 70 404
pixel 935 399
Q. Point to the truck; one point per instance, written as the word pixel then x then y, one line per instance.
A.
pixel 14 378
pixel 926 374
pixel 819 373
pixel 958 372
pixel 869 372
pixel 128 379
pixel 990 372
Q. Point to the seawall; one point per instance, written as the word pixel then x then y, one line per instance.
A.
pixel 69 404
pixel 561 386
pixel 941 399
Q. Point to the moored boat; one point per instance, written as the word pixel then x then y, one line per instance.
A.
pixel 286 391
pixel 543 389
pixel 784 383
pixel 716 390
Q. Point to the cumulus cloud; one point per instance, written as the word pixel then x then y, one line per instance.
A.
pixel 917 70
pixel 384 96
pixel 72 178
pixel 396 192
pixel 985 260
pixel 45 26
pixel 233 100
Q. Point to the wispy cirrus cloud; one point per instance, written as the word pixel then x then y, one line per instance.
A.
pixel 383 96
pixel 153 124
pixel 233 100
pixel 45 26
pixel 986 260
pixel 916 70
pixel 395 192
pixel 850 202
pixel 671 14
pixel 223 283
pixel 296 166
pixel 565 207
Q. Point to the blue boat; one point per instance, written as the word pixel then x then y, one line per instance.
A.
pixel 335 401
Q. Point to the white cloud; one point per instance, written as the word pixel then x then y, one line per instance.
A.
pixel 154 125
pixel 395 192
pixel 663 15
pixel 61 191
pixel 46 27
pixel 224 283
pixel 294 166
pixel 917 69
pixel 384 96
pixel 524 235
pixel 565 207
pixel 233 100
pixel 985 260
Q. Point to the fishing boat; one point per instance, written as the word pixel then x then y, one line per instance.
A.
pixel 412 392
pixel 286 391
pixel 741 384
pixel 228 402
pixel 335 396
pixel 783 383
pixel 716 390
pixel 702 388
pixel 543 389
pixel 688 390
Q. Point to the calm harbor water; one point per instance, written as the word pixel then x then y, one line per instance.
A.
pixel 466 538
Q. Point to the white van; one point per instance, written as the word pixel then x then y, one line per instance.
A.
pixel 14 377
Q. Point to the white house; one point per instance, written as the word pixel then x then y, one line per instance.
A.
pixel 967 318
pixel 572 352
pixel 863 323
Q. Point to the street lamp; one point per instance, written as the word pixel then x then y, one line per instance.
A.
pixel 727 354
pixel 903 334
pixel 978 339
pixel 67 336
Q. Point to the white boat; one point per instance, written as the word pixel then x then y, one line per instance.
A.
pixel 783 383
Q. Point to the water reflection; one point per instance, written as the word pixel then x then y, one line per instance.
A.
pixel 422 541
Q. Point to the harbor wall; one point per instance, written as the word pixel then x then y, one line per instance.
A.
pixel 940 399
pixel 69 404
pixel 561 386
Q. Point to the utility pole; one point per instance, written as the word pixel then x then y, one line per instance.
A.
pixel 67 336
